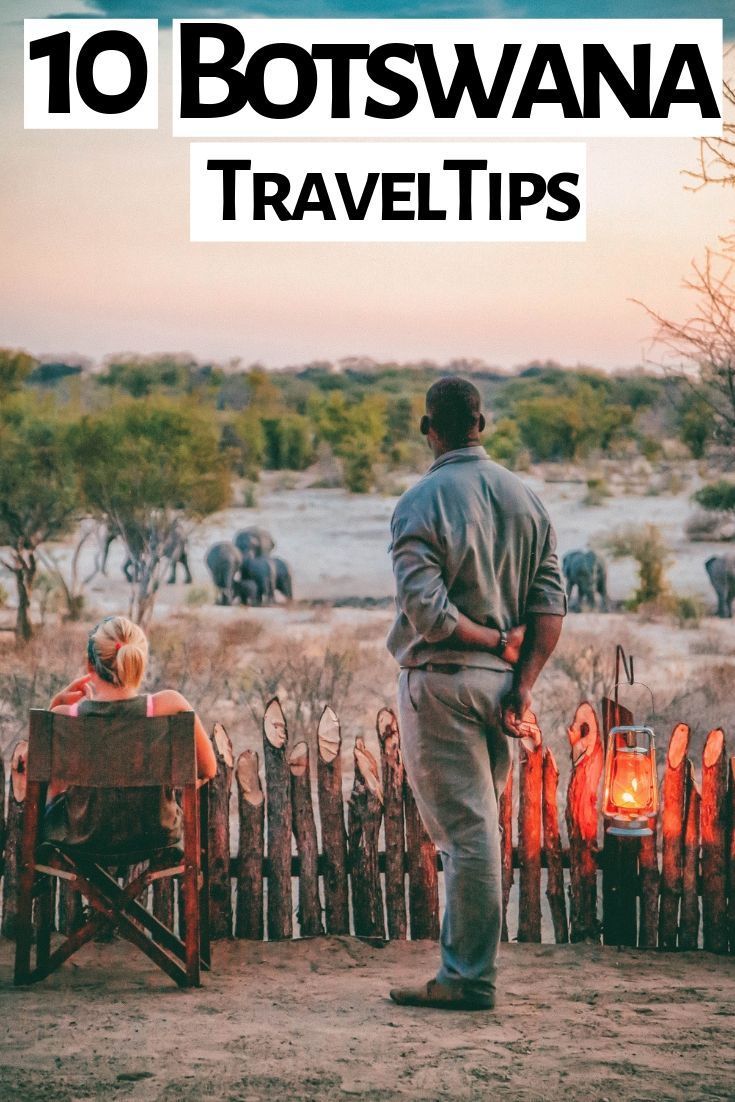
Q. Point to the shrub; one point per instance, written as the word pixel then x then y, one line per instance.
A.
pixel 197 596
pixel 597 491
pixel 651 448
pixel 647 547
pixel 358 468
pixel 718 495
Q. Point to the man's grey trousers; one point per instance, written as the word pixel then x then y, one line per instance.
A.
pixel 457 760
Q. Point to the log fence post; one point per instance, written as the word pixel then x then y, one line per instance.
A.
pixel 395 850
pixel 689 918
pixel 251 807
pixel 220 885
pixel 304 828
pixel 505 816
pixel 530 783
pixel 364 817
pixel 649 879
pixel 332 818
pixel 552 848
pixel 582 823
pixel 278 804
pixel 14 836
pixel 673 816
pixel 423 877
pixel 714 843
pixel 731 859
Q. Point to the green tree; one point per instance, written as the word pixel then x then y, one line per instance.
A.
pixel 504 443
pixel 288 442
pixel 145 466
pixel 15 367
pixel 695 424
pixel 243 438
pixel 355 431
pixel 570 426
pixel 39 491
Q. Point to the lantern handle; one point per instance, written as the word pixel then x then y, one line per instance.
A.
pixel 628 664
pixel 643 686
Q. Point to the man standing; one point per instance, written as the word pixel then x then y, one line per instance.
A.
pixel 473 556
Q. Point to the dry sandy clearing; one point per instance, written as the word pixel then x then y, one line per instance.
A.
pixel 310 1021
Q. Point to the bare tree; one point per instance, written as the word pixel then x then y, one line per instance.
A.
pixel 706 339
pixel 716 163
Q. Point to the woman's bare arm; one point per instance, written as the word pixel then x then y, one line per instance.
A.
pixel 169 702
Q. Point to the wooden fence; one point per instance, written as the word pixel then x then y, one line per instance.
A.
pixel 655 890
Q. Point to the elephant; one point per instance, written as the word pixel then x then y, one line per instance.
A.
pixel 224 562
pixel 721 570
pixel 135 544
pixel 283 582
pixel 586 571
pixel 260 570
pixel 176 551
pixel 254 542
pixel 246 592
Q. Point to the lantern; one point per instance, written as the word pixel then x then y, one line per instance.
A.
pixel 631 784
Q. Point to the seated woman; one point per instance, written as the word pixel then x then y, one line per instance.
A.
pixel 120 820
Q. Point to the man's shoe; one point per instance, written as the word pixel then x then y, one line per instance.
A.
pixel 440 996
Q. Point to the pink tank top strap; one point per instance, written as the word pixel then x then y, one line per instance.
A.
pixel 149 706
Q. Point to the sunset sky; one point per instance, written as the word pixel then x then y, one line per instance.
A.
pixel 96 256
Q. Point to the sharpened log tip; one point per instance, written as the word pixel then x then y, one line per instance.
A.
pixel 18 775
pixel 678 745
pixel 274 725
pixel 583 733
pixel 329 735
pixel 223 744
pixel 367 767
pixel 248 778
pixel 298 759
pixel 387 724
pixel 713 746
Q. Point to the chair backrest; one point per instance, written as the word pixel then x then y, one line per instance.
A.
pixel 114 752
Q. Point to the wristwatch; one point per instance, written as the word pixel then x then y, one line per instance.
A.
pixel 503 643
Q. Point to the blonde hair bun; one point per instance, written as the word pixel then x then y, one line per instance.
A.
pixel 119 648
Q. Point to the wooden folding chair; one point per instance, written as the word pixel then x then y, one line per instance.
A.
pixel 138 753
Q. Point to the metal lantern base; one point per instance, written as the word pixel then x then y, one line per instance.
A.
pixel 629 828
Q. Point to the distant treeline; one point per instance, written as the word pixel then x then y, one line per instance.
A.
pixel 364 413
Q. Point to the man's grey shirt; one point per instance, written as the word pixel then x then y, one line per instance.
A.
pixel 469 537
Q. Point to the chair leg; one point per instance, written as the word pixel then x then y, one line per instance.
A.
pixel 35 793
pixel 190 883
pixel 44 921
pixel 24 926
pixel 204 939
pixel 193 933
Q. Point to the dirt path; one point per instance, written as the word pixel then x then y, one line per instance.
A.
pixel 310 1020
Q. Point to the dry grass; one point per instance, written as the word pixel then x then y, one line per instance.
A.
pixel 229 666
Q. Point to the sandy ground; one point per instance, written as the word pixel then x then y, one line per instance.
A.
pixel 311 1021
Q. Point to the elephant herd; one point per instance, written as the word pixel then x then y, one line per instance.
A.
pixel 586 578
pixel 245 569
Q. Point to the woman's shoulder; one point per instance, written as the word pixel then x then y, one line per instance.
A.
pixel 169 701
